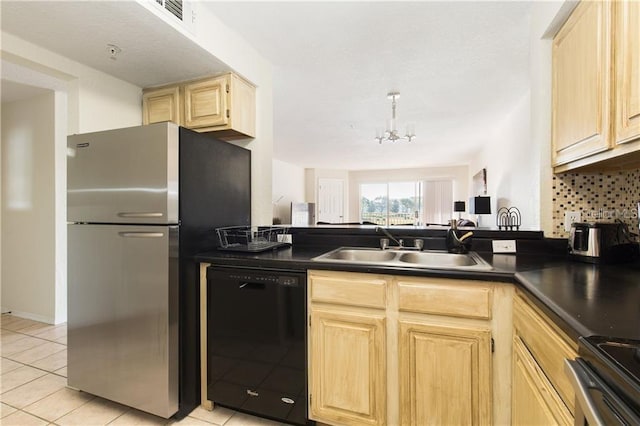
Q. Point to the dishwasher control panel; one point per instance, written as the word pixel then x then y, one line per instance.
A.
pixel 285 280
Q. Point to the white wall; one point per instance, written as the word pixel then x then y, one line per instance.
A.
pixel 512 164
pixel 29 209
pixel 546 18
pixel 458 174
pixel 84 100
pixel 518 160
pixel 212 34
pixel 288 187
pixel 60 225
pixel 231 49
pixel 96 101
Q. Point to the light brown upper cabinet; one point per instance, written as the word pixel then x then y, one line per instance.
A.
pixel 162 104
pixel 581 52
pixel 223 104
pixel 627 66
pixel 596 87
pixel 205 103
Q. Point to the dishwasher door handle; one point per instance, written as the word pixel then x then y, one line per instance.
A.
pixel 581 384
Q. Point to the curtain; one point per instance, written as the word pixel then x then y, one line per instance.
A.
pixel 438 201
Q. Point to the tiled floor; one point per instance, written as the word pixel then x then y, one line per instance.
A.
pixel 33 380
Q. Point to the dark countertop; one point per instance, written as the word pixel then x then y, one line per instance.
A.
pixel 594 300
pixel 583 299
pixel 299 258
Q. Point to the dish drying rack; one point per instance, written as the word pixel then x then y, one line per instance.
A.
pixel 251 238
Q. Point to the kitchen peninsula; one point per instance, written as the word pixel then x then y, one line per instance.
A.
pixel 515 324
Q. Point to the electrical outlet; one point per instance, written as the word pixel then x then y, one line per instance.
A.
pixel 569 218
pixel 504 246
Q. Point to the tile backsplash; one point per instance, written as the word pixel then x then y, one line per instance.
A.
pixel 598 197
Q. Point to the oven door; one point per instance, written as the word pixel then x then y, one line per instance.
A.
pixel 596 403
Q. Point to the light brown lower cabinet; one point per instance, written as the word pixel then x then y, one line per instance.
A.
pixel 542 393
pixel 445 375
pixel 347 383
pixel 392 350
pixel 535 402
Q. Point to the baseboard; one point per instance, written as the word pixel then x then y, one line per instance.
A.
pixel 29 315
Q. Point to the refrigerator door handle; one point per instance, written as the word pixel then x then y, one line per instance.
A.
pixel 141 234
pixel 140 214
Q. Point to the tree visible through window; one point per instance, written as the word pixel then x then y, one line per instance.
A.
pixel 394 203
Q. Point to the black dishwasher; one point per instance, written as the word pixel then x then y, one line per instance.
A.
pixel 256 349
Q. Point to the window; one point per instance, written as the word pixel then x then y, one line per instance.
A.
pixel 406 203
pixel 394 203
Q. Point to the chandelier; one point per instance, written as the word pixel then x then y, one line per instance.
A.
pixel 391 133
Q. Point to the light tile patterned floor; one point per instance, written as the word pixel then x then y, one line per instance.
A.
pixel 33 380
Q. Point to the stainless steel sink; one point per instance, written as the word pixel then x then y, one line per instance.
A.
pixel 403 258
pixel 358 255
pixel 441 259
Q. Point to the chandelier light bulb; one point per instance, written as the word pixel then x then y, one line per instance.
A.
pixel 411 130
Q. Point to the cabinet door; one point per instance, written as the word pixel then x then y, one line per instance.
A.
pixel 162 104
pixel 547 345
pixel 445 375
pixel 205 103
pixel 627 62
pixel 348 368
pixel 534 401
pixel 581 83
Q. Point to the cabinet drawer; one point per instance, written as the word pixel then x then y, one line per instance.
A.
pixel 547 346
pixel 348 289
pixel 440 298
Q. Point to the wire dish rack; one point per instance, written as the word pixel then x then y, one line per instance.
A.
pixel 251 238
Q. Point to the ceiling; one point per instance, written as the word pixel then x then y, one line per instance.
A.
pixel 460 67
pixel 152 53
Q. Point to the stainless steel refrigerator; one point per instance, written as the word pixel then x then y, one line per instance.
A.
pixel 141 202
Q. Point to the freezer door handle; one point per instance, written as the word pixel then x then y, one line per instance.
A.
pixel 141 234
pixel 140 214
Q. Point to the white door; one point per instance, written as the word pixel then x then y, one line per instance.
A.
pixel 331 200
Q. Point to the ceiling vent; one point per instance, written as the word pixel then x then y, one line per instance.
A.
pixel 180 10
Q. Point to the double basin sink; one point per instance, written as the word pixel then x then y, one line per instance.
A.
pixel 405 258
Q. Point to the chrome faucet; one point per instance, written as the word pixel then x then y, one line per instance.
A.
pixel 400 243
pixel 457 244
